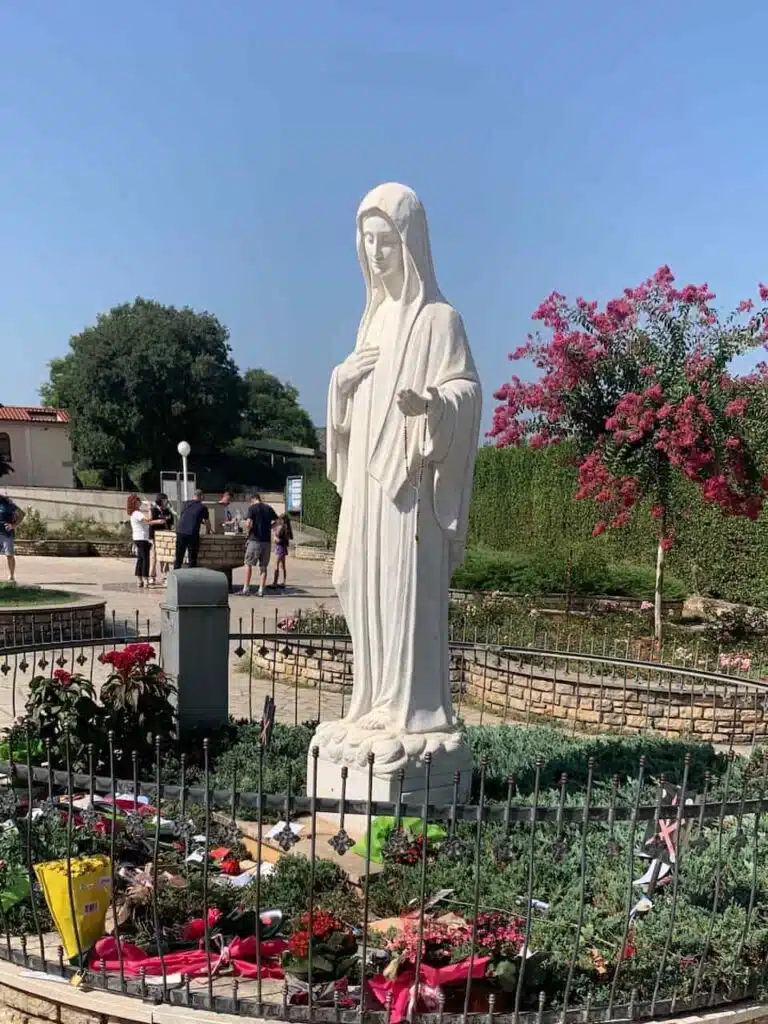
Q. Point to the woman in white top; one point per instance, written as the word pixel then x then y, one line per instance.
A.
pixel 141 521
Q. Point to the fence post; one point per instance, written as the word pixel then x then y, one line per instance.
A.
pixel 195 645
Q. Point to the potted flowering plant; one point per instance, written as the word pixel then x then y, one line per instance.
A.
pixel 63 701
pixel 332 944
pixel 447 960
pixel 137 700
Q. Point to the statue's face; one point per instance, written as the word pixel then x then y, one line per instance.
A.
pixel 382 246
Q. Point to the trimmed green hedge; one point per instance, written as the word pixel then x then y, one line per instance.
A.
pixel 321 500
pixel 523 502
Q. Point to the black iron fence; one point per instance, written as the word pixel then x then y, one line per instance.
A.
pixel 591 891
pixel 306 663
pixel 615 898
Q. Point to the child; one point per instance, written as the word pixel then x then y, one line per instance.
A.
pixel 283 537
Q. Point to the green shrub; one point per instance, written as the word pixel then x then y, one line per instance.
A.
pixel 287 888
pixel 77 527
pixel 540 572
pixel 34 526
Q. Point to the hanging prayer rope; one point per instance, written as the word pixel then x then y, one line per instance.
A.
pixel 422 460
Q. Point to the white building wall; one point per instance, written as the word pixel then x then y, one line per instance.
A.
pixel 41 454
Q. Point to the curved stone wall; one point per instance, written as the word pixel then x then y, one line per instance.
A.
pixel 631 699
pixel 52 624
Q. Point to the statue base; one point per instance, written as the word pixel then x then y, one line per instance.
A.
pixel 343 745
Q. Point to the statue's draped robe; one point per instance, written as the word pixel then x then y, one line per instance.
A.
pixel 392 586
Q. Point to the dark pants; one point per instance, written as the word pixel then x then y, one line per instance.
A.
pixel 186 545
pixel 143 548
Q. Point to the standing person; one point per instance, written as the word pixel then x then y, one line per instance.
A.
pixel 229 519
pixel 259 545
pixel 283 537
pixel 162 514
pixel 11 517
pixel 141 524
pixel 193 515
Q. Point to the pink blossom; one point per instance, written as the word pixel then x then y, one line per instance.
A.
pixel 763 289
pixel 745 306
pixel 736 408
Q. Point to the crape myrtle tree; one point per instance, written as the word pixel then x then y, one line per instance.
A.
pixel 643 388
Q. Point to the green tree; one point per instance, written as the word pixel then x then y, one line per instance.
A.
pixel 142 378
pixel 272 411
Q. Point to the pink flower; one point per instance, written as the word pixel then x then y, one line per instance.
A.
pixel 599 528
pixel 745 306
pixel 763 292
pixel 737 407
pixel 63 677
pixel 646 606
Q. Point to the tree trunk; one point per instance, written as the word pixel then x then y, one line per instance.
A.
pixel 658 624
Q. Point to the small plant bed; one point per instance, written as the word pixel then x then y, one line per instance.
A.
pixel 21 596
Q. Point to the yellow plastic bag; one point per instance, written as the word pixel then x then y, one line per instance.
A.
pixel 91 895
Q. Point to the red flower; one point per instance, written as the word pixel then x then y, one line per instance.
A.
pixel 298 944
pixel 63 677
pixel 230 866
pixel 132 656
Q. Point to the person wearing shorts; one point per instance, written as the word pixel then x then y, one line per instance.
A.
pixel 258 548
pixel 283 537
pixel 10 517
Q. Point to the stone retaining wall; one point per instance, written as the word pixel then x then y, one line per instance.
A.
pixel 509 688
pixel 51 624
pixel 67 548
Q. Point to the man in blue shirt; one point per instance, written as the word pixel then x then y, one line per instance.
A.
pixel 11 516
pixel 258 549
pixel 193 514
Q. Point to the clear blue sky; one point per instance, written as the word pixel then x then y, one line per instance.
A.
pixel 213 155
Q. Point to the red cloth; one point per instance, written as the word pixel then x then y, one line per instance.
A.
pixel 240 956
pixel 432 979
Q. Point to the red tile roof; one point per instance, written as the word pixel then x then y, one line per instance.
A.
pixel 32 414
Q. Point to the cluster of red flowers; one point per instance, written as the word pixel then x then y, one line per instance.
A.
pixel 129 658
pixel 689 412
pixel 62 676
pixel 323 924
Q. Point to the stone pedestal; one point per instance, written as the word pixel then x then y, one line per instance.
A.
pixel 342 745
pixel 195 645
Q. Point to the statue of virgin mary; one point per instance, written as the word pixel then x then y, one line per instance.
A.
pixel 402 432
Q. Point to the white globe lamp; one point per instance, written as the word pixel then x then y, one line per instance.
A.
pixel 184 449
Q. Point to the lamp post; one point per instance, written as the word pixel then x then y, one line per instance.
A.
pixel 183 449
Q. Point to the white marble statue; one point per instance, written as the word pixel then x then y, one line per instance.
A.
pixel 402 432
